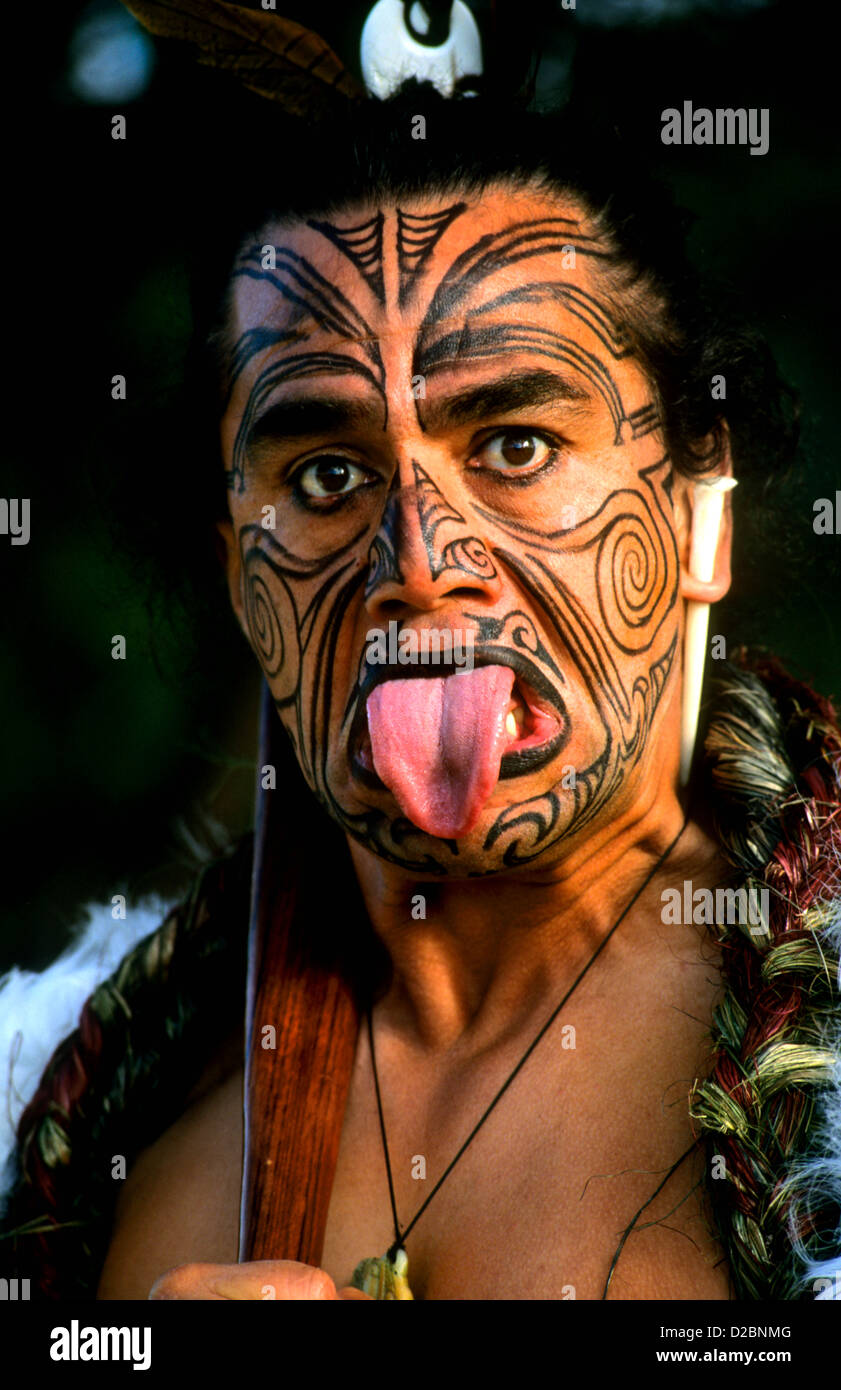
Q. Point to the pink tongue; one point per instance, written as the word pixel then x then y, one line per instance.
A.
pixel 438 742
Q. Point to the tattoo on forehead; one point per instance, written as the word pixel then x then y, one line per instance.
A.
pixel 496 251
pixel 310 294
pixel 477 338
pixel 577 301
pixel 363 246
pixel 317 304
pixel 298 283
pixel 417 237
pixel 471 343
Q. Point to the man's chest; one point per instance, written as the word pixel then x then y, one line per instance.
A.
pixel 569 1170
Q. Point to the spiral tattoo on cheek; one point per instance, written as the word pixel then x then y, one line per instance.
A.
pixel 272 623
pixel 631 579
pixel 629 550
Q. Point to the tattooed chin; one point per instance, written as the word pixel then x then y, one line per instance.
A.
pixel 462 772
pixel 466 772
pixel 440 743
pixel 465 766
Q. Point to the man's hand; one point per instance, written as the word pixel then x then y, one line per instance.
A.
pixel 261 1279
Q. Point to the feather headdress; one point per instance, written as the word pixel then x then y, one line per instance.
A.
pixel 272 56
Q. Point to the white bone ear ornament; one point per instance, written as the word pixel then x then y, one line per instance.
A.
pixel 389 55
pixel 707 508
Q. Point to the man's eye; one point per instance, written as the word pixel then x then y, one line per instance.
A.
pixel 330 475
pixel 511 450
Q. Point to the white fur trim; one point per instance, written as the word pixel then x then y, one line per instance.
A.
pixel 38 1010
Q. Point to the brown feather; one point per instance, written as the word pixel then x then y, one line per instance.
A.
pixel 274 57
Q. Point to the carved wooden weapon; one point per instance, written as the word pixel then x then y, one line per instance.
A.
pixel 299 985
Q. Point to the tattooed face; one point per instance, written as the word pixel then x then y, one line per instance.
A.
pixel 435 421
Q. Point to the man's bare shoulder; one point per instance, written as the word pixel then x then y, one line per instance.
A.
pixel 180 1202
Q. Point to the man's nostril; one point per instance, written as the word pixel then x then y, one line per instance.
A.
pixel 392 608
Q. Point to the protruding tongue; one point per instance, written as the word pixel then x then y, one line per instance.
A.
pixel 437 743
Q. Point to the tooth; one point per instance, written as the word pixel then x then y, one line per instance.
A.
pixel 511 724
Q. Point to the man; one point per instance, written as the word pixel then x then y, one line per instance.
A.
pixel 440 416
pixel 515 500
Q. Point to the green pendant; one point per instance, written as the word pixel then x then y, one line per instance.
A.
pixel 383 1278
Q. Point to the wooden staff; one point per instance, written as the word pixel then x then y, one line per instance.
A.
pixel 298 984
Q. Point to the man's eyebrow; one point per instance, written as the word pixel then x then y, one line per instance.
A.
pixel 514 392
pixel 314 415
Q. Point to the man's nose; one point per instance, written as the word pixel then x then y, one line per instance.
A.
pixel 425 553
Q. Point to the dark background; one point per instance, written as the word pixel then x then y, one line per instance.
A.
pixel 113 772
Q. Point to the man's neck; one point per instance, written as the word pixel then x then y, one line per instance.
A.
pixel 472 957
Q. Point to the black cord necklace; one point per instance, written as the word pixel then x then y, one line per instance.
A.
pixel 386 1276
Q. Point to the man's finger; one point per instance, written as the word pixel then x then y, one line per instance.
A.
pixel 256 1280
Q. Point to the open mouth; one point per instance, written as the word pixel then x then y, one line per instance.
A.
pixel 536 730
pixel 536 733
pixel 441 740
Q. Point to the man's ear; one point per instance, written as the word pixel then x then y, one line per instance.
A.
pixel 227 548
pixel 691 587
